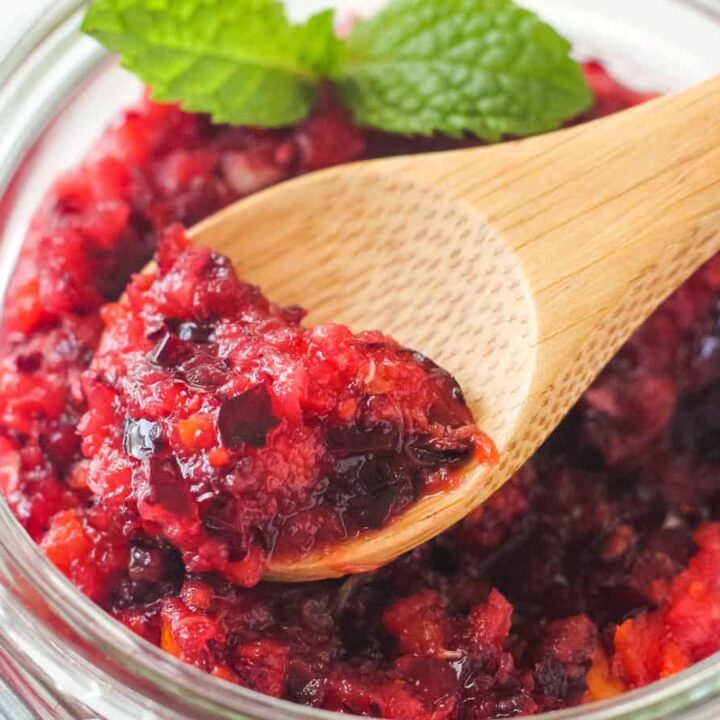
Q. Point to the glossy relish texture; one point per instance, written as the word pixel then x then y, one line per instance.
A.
pixel 220 424
pixel 593 571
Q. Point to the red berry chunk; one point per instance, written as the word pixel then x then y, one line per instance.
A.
pixel 683 630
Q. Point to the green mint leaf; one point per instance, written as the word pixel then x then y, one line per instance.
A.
pixel 486 67
pixel 242 61
pixel 323 49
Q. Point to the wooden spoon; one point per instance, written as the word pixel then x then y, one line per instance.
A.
pixel 521 268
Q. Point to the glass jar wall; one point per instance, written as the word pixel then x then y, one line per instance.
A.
pixel 61 656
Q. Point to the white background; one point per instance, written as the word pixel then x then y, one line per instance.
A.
pixel 660 14
pixel 13 13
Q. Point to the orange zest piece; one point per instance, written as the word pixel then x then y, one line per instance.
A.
pixel 197 432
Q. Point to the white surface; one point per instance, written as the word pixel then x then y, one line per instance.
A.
pixel 659 17
pixel 14 14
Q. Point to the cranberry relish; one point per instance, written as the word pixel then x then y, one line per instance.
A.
pixel 593 571
pixel 234 433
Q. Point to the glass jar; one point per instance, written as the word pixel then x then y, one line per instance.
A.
pixel 62 657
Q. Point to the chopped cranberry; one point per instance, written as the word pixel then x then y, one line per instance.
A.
pixel 434 452
pixel 262 666
pixel 194 332
pixel 246 418
pixel 350 440
pixel 164 488
pixel 169 351
pixel 204 370
pixel 148 564
pixel 28 364
pixel 420 623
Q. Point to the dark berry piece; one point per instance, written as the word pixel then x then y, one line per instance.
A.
pixel 169 351
pixel 374 495
pixel 247 418
pixel 382 438
pixel 146 564
pixel 29 363
pixel 167 487
pixel 430 452
pixel 205 371
pixel 194 332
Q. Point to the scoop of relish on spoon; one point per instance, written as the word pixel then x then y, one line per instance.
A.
pixel 519 268
pixel 247 438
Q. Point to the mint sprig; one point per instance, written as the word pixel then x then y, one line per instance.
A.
pixel 486 67
pixel 242 61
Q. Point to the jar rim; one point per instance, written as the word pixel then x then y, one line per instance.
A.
pixel 23 565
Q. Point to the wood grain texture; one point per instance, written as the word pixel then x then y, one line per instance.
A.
pixel 521 268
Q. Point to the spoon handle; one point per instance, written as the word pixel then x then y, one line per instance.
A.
pixel 608 218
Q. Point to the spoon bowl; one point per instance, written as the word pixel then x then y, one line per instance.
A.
pixel 380 252
pixel 521 268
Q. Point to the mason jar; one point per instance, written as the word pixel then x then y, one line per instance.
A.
pixel 62 657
